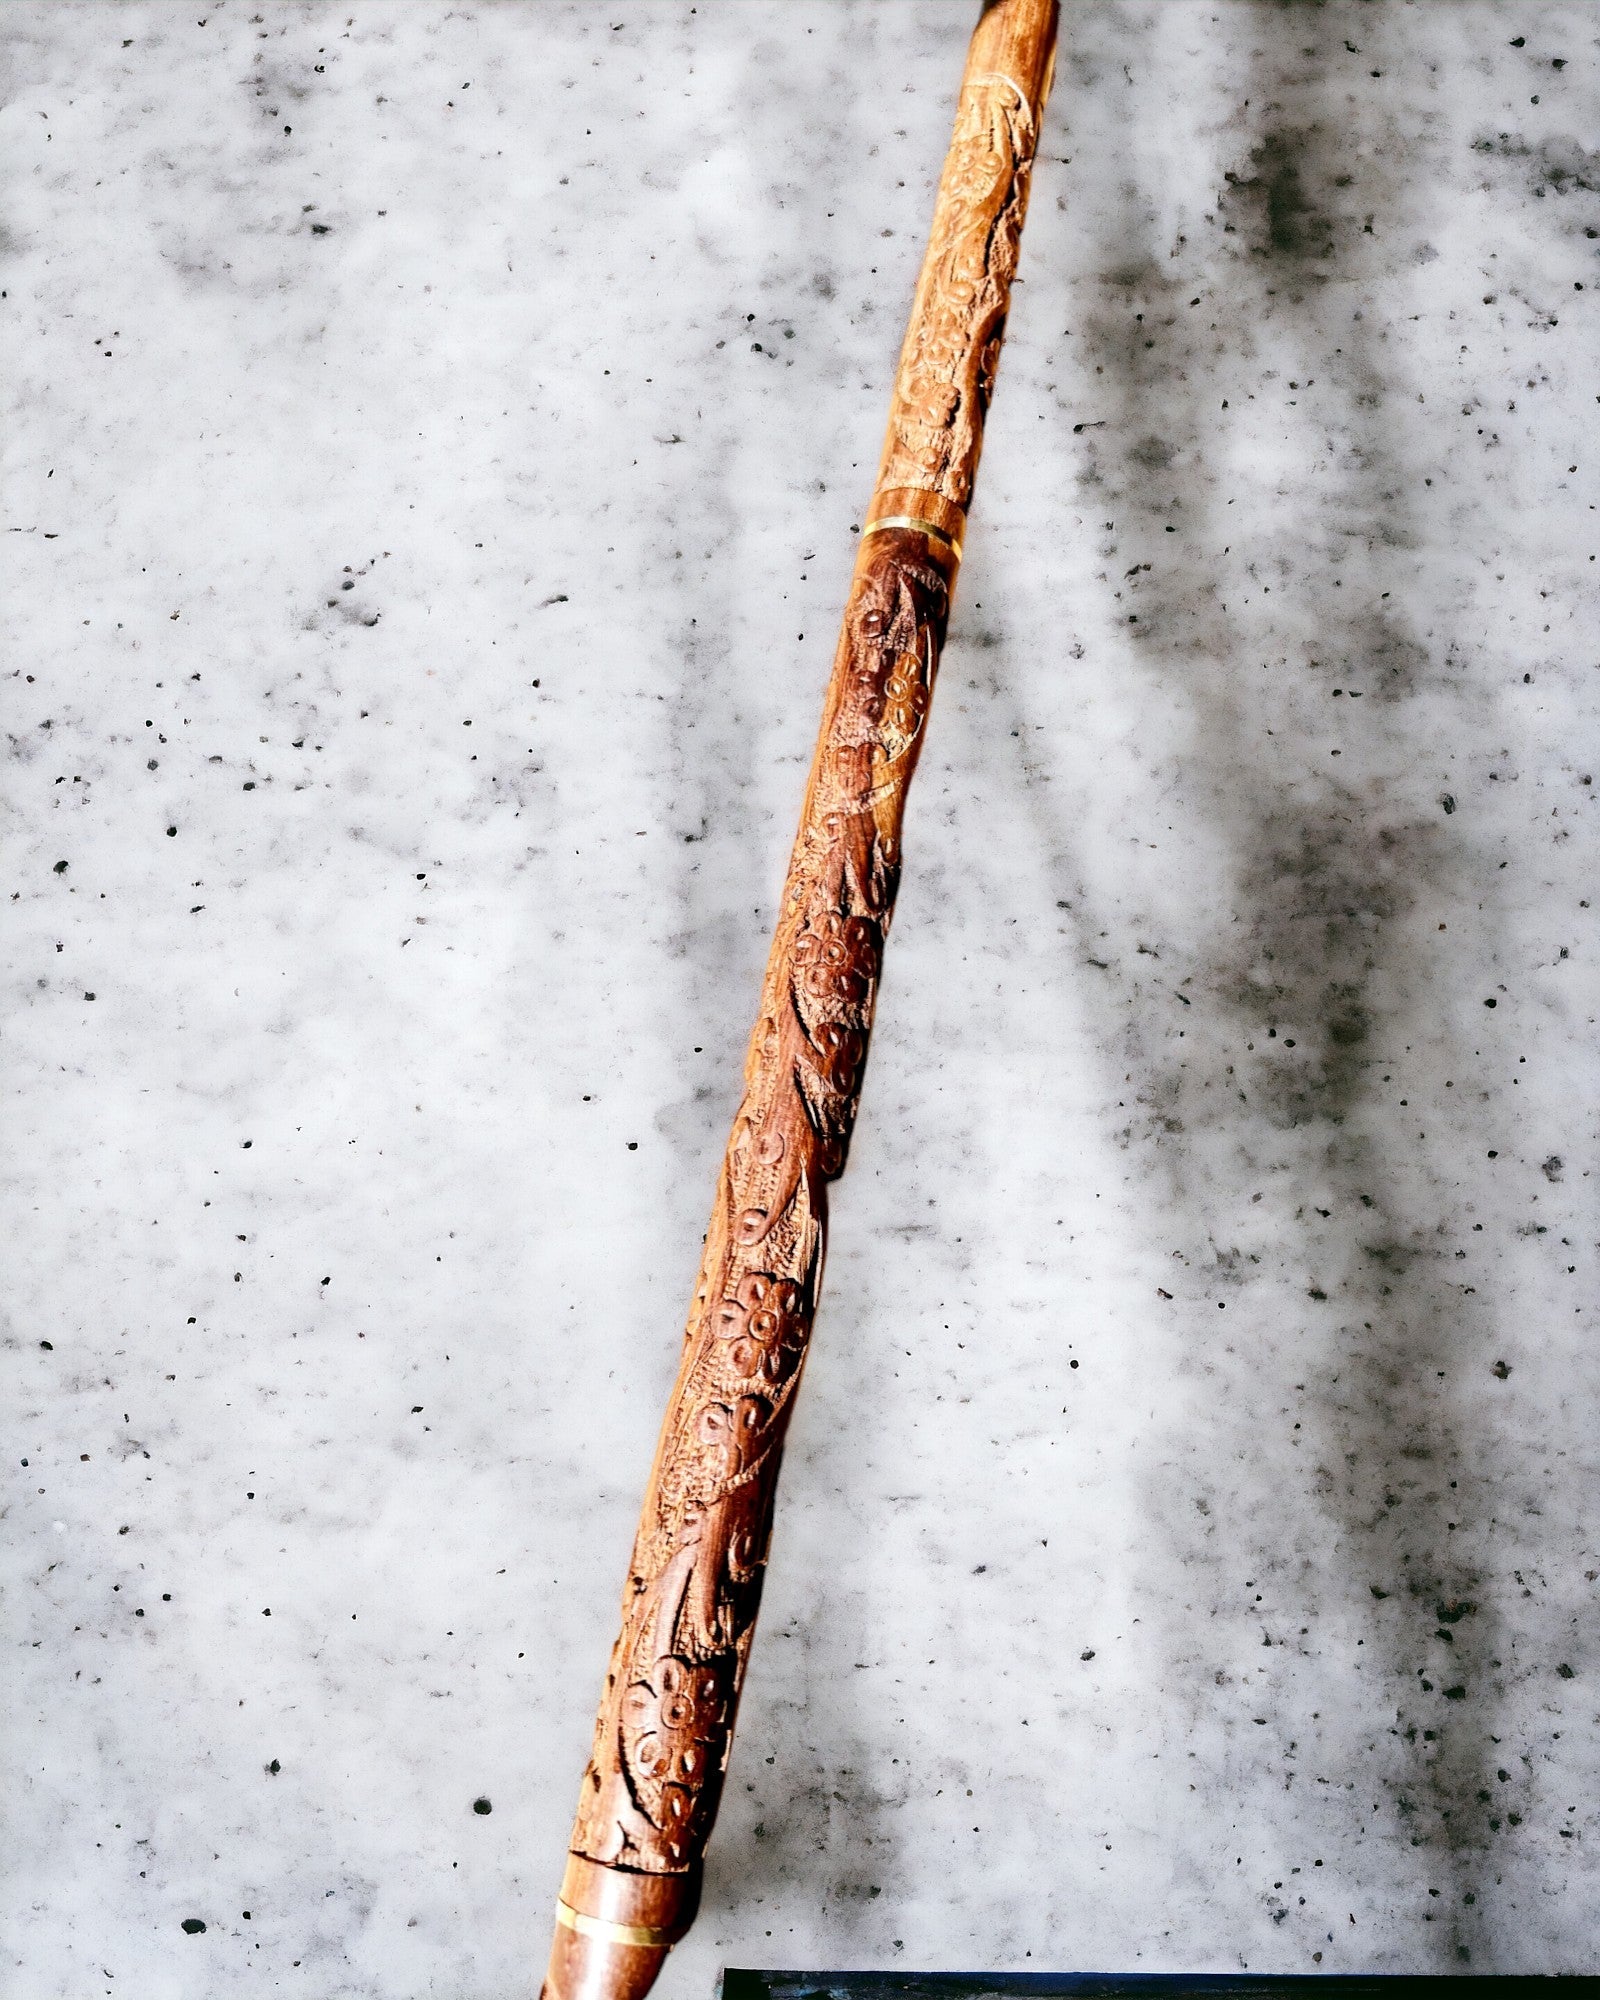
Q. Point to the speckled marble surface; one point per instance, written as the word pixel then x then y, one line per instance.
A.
pixel 433 429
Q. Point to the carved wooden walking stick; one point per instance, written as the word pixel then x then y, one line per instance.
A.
pixel 688 1612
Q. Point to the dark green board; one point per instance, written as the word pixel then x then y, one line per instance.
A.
pixel 741 1984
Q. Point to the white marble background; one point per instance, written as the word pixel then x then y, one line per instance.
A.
pixel 432 428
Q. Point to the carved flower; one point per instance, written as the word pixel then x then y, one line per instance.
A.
pixel 836 958
pixel 838 1054
pixel 731 1436
pixel 881 618
pixel 765 1325
pixel 905 698
pixel 671 1725
pixel 929 401
pixel 873 623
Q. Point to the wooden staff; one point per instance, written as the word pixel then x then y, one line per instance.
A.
pixel 662 1736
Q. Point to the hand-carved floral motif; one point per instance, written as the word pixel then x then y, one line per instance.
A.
pixel 672 1725
pixel 837 958
pixel 662 1736
pixel 729 1435
pixel 894 665
pixel 663 1733
pixel 765 1325
pixel 669 1724
pixel 905 698
pixel 836 1055
pixel 947 366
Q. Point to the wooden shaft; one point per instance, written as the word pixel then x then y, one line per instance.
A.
pixel 662 1736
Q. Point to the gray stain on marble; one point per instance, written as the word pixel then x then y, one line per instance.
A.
pixel 1332 878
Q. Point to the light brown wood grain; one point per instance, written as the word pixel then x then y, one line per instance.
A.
pixel 664 1729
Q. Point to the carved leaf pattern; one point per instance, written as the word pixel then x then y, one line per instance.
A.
pixel 948 363
pixel 662 1737
pixel 665 1722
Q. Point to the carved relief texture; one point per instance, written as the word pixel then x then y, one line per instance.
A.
pixel 666 1717
pixel 662 1736
pixel 948 362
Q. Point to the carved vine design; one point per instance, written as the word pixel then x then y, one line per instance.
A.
pixel 948 363
pixel 666 1718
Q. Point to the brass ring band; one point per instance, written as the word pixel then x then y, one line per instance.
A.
pixel 610 1933
pixel 921 526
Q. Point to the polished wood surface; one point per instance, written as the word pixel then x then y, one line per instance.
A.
pixel 662 1736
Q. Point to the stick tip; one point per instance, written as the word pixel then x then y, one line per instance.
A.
pixel 587 1968
pixel 614 1928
